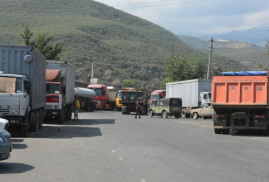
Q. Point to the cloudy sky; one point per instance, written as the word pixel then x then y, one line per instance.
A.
pixel 199 17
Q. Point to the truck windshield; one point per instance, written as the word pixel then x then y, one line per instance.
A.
pixel 52 89
pixel 129 96
pixel 98 91
pixel 119 94
pixel 155 96
pixel 10 85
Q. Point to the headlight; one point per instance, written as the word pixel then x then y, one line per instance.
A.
pixel 1 139
pixel 14 111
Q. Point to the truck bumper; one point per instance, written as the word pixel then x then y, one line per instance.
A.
pixel 258 125
pixel 50 113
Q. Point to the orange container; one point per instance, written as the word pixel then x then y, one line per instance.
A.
pixel 240 91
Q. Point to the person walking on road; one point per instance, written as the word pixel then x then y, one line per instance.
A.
pixel 138 112
pixel 76 108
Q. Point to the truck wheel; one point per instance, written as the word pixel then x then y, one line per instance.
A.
pixel 150 113
pixel 183 113
pixel 217 131
pixel 164 114
pixel 23 131
pixel 195 116
pixel 61 118
pixel 34 122
pixel 176 115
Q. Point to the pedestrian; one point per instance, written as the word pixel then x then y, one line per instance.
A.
pixel 138 112
pixel 76 108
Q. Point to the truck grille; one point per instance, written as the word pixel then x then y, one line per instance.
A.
pixel 4 111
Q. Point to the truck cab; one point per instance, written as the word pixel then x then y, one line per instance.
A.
pixel 119 100
pixel 101 95
pixel 14 98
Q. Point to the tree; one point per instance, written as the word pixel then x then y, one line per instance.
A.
pixel 127 83
pixel 42 43
pixel 180 68
pixel 27 35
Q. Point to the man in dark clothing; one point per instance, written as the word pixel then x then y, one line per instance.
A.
pixel 138 112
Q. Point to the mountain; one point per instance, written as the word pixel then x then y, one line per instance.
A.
pixel 258 36
pixel 248 54
pixel 120 46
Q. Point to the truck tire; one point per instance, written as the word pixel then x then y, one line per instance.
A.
pixel 195 116
pixel 23 131
pixel 164 114
pixel 61 118
pixel 150 113
pixel 176 115
pixel 221 131
pixel 34 122
pixel 183 113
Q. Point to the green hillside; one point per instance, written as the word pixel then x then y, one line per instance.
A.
pixel 248 54
pixel 120 45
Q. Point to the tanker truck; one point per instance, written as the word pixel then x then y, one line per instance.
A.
pixel 85 97
pixel 105 98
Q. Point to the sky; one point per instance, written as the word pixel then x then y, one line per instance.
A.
pixel 199 17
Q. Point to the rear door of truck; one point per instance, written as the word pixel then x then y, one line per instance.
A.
pixel 240 90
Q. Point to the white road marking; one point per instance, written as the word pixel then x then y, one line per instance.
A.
pixel 142 180
pixel 120 158
pixel 113 151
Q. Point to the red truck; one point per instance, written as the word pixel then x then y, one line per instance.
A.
pixel 158 94
pixel 60 84
pixel 240 101
pixel 105 97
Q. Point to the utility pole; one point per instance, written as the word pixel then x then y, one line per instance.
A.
pixel 92 74
pixel 210 56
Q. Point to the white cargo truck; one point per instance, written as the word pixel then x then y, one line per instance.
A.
pixel 194 93
pixel 59 90
pixel 22 87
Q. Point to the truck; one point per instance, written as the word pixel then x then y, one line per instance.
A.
pixel 22 87
pixel 119 97
pixel 158 94
pixel 85 97
pixel 59 90
pixel 194 94
pixel 240 101
pixel 105 98
pixel 129 98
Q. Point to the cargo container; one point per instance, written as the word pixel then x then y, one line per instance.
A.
pixel 22 87
pixel 240 101
pixel 59 90
pixel 194 93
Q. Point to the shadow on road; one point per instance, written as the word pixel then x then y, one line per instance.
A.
pixel 14 168
pixel 249 133
pixel 85 122
pixel 65 131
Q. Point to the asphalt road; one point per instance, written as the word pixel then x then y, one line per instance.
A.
pixel 106 146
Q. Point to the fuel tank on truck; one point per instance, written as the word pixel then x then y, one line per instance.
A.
pixel 84 92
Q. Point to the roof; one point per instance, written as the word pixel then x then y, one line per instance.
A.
pixel 53 75
pixel 245 73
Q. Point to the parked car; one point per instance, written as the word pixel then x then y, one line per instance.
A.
pixel 5 144
pixel 205 111
pixel 166 107
pixel 3 123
